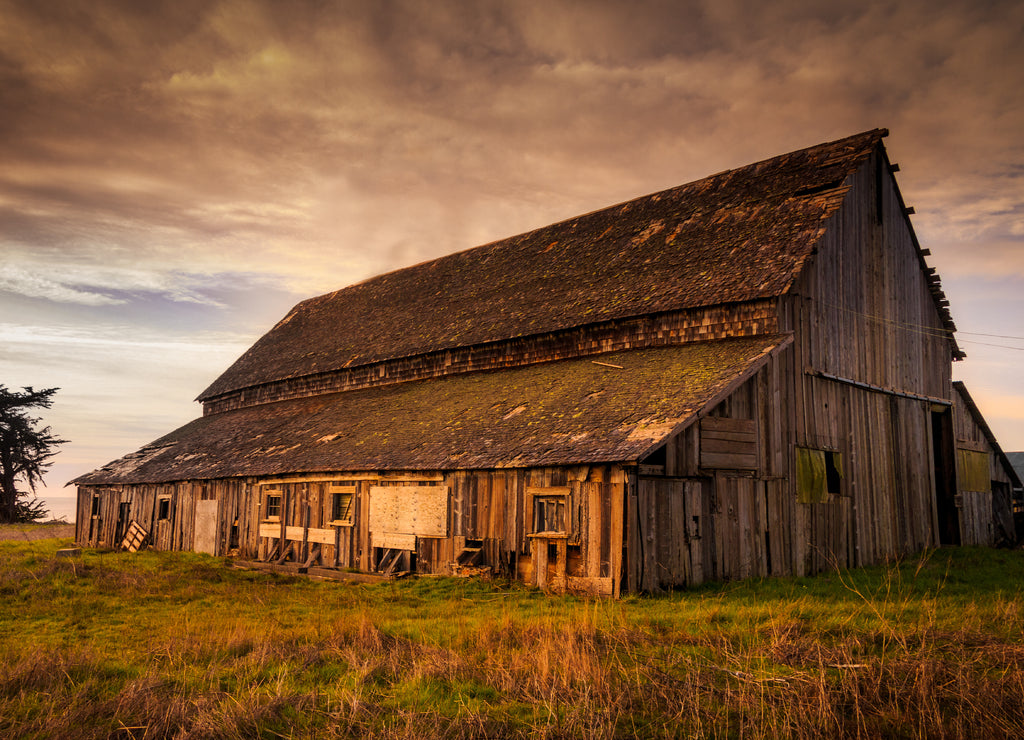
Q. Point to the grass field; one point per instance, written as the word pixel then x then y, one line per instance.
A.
pixel 162 645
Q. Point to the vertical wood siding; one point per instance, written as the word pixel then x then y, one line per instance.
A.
pixel 486 507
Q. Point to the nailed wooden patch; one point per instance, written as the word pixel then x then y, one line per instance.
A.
pixel 294 534
pixel 393 541
pixel 414 510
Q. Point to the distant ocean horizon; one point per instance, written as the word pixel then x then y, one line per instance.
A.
pixel 60 507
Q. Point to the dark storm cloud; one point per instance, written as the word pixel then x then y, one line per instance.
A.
pixel 363 134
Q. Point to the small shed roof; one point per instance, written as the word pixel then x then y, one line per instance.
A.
pixel 612 408
pixel 736 236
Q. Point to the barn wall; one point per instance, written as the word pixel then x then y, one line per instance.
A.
pixel 864 310
pixel 870 364
pixel 486 522
pixel 699 523
pixel 984 497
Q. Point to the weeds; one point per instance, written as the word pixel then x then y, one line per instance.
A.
pixel 162 645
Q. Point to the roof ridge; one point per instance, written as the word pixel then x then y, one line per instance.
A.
pixel 731 237
pixel 877 133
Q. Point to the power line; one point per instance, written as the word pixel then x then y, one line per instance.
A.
pixel 996 336
pixel 930 331
pixel 989 344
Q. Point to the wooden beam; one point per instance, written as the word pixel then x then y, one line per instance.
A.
pixel 314 555
pixel 879 389
pixel 285 552
pixel 305 533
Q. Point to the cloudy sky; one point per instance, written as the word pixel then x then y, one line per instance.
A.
pixel 175 175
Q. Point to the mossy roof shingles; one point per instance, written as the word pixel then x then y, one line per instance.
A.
pixel 737 236
pixel 559 413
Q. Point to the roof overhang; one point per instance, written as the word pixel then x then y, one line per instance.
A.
pixel 611 408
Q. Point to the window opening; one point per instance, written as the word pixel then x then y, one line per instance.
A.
pixel 273 506
pixel 163 508
pixel 658 457
pixel 341 507
pixel 819 475
pixel 549 514
pixel 833 472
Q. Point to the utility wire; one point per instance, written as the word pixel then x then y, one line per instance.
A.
pixel 997 336
pixel 989 344
pixel 930 331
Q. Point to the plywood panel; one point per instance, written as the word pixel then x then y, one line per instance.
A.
pixel 419 510
pixel 205 538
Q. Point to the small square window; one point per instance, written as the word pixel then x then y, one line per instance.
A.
pixel 163 510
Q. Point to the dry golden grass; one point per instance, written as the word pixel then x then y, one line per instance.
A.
pixel 161 645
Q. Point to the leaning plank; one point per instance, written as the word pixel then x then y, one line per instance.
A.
pixel 134 538
pixel 314 555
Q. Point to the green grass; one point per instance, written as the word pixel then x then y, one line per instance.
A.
pixel 168 645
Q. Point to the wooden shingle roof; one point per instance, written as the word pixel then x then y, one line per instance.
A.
pixel 737 236
pixel 577 411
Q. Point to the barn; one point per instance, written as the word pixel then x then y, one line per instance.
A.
pixel 747 375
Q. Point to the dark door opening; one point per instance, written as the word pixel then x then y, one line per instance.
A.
pixel 122 522
pixel 943 456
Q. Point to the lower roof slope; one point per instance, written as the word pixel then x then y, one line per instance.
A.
pixel 736 236
pixel 558 413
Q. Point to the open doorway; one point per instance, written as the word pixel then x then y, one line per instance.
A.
pixel 944 457
pixel 123 512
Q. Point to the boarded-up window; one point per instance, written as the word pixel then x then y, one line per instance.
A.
pixel 818 475
pixel 409 510
pixel 549 514
pixel 549 507
pixel 972 471
pixel 728 444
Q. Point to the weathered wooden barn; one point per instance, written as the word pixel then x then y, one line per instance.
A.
pixel 988 485
pixel 746 375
